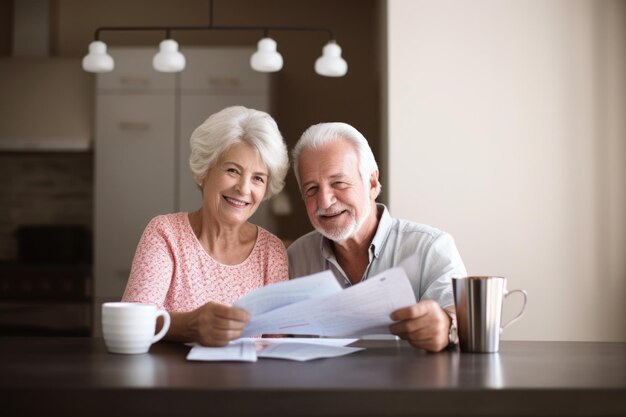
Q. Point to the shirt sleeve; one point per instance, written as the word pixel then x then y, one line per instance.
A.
pixel 296 260
pixel 431 270
pixel 152 267
pixel 305 257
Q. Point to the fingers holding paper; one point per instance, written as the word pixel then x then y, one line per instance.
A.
pixel 217 324
pixel 424 325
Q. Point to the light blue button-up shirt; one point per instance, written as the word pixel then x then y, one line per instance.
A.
pixel 428 255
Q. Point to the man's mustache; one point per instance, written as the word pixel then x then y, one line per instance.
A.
pixel 332 211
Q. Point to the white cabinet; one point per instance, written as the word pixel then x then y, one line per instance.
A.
pixel 143 123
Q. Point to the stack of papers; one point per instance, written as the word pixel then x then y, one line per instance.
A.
pixel 317 305
pixel 296 349
pixel 314 305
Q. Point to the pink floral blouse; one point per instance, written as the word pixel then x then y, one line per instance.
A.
pixel 172 270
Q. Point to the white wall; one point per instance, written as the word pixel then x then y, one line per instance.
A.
pixel 506 128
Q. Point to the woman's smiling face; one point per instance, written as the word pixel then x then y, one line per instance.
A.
pixel 235 186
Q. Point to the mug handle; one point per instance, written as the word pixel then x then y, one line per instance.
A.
pixel 165 328
pixel 521 313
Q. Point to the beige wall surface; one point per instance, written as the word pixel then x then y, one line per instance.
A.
pixel 506 129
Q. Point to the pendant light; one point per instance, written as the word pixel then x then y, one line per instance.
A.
pixel 98 60
pixel 170 59
pixel 266 58
pixel 331 64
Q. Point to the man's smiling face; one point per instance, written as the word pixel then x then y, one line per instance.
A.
pixel 336 198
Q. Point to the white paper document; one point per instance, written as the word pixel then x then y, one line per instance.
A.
pixel 298 349
pixel 362 309
pixel 303 351
pixel 238 350
pixel 289 292
pixel 322 341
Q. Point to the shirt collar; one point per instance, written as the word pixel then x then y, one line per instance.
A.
pixel 326 248
pixel 384 227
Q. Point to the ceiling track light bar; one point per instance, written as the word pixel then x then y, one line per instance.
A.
pixel 170 59
pixel 169 29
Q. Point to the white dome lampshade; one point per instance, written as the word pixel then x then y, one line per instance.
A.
pixel 97 60
pixel 266 58
pixel 168 59
pixel 331 64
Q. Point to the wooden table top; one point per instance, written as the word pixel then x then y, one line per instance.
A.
pixel 77 376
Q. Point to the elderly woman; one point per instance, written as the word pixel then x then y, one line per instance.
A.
pixel 196 265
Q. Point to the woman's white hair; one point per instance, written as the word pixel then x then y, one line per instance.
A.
pixel 234 125
pixel 321 134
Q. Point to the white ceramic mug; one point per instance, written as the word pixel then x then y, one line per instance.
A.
pixel 129 327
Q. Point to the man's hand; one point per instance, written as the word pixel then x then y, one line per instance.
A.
pixel 217 324
pixel 424 325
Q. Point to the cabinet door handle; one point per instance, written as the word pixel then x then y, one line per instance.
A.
pixel 133 126
pixel 223 81
pixel 134 81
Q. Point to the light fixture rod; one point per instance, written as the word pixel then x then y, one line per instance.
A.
pixel 170 59
pixel 169 29
pixel 210 13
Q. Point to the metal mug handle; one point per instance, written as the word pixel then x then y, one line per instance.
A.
pixel 521 313
pixel 166 325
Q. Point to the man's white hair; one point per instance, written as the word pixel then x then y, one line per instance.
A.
pixel 321 134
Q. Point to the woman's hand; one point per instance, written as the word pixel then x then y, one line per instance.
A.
pixel 217 324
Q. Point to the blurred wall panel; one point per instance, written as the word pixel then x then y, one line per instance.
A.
pixel 506 129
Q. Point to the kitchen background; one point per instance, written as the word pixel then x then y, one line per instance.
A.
pixel 51 114
pixel 299 96
pixel 500 121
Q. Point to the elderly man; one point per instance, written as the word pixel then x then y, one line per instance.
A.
pixel 356 238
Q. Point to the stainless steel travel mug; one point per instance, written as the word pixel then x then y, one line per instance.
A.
pixel 478 302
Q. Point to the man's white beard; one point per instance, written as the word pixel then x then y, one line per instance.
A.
pixel 341 235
